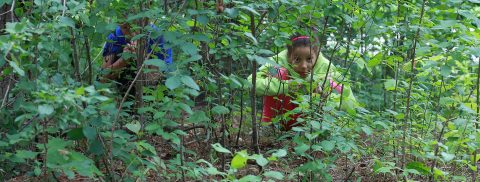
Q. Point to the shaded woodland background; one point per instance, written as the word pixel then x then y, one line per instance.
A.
pixel 413 66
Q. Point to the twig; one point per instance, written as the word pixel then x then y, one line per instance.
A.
pixel 10 10
pixel 407 112
pixel 64 7
pixel 241 116
pixel 6 93
pixel 253 94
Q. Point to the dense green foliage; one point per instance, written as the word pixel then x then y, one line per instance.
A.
pixel 412 65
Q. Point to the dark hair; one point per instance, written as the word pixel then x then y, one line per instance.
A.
pixel 298 40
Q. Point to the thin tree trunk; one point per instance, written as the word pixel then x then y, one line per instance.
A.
pixel 412 77
pixel 140 50
pixel 76 63
pixel 89 61
pixel 474 173
pixel 254 93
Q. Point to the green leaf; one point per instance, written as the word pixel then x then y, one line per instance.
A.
pixel 447 157
pixel 252 38
pixel 376 60
pixel 445 70
pixel 45 109
pixel 156 62
pixel 189 48
pixel 55 144
pixel 447 101
pixel 301 148
pixel 420 167
pixel 249 9
pixel 274 174
pixel 231 12
pixel 240 160
pixel 134 127
pixel 173 82
pixel 75 134
pixel 389 84
pixel 66 21
pixel 37 171
pixel 16 68
pixel 438 173
pixel 202 19
pixel 327 145
pixel 260 159
pixel 96 147
pixel 138 36
pixel 250 178
pixel 476 158
pixel 90 132
pixel 219 110
pixel 26 154
pixel 198 117
pixel 188 81
pixel 280 153
pixel 219 148
pixel 367 130
pixel 384 170
pixel 80 91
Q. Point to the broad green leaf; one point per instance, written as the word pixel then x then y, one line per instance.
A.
pixel 367 130
pixel 376 60
pixel 80 91
pixel 420 167
pixel 189 48
pixel 134 127
pixel 250 10
pixel 250 178
pixel 96 147
pixel 66 21
pixel 16 68
pixel 240 160
pixel 188 81
pixel 198 117
pixel 301 148
pixel 45 109
pixel 252 38
pixel 75 134
pixel 476 158
pixel 445 70
pixel 472 167
pixel 274 174
pixel 385 170
pixel 156 62
pixel 220 110
pixel 447 157
pixel 26 154
pixel 327 145
pixel 260 159
pixel 390 84
pixel 447 101
pixel 138 36
pixel 221 149
pixel 438 173
pixel 89 132
pixel 173 82
pixel 231 12
pixel 280 153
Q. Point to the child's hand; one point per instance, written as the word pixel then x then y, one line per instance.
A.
pixel 130 48
pixel 318 90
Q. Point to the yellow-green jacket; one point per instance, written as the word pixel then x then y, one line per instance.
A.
pixel 267 84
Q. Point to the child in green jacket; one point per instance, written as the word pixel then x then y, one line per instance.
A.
pixel 276 82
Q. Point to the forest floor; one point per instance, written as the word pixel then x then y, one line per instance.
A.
pixel 362 171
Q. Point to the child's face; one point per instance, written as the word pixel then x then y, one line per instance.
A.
pixel 302 60
pixel 126 30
